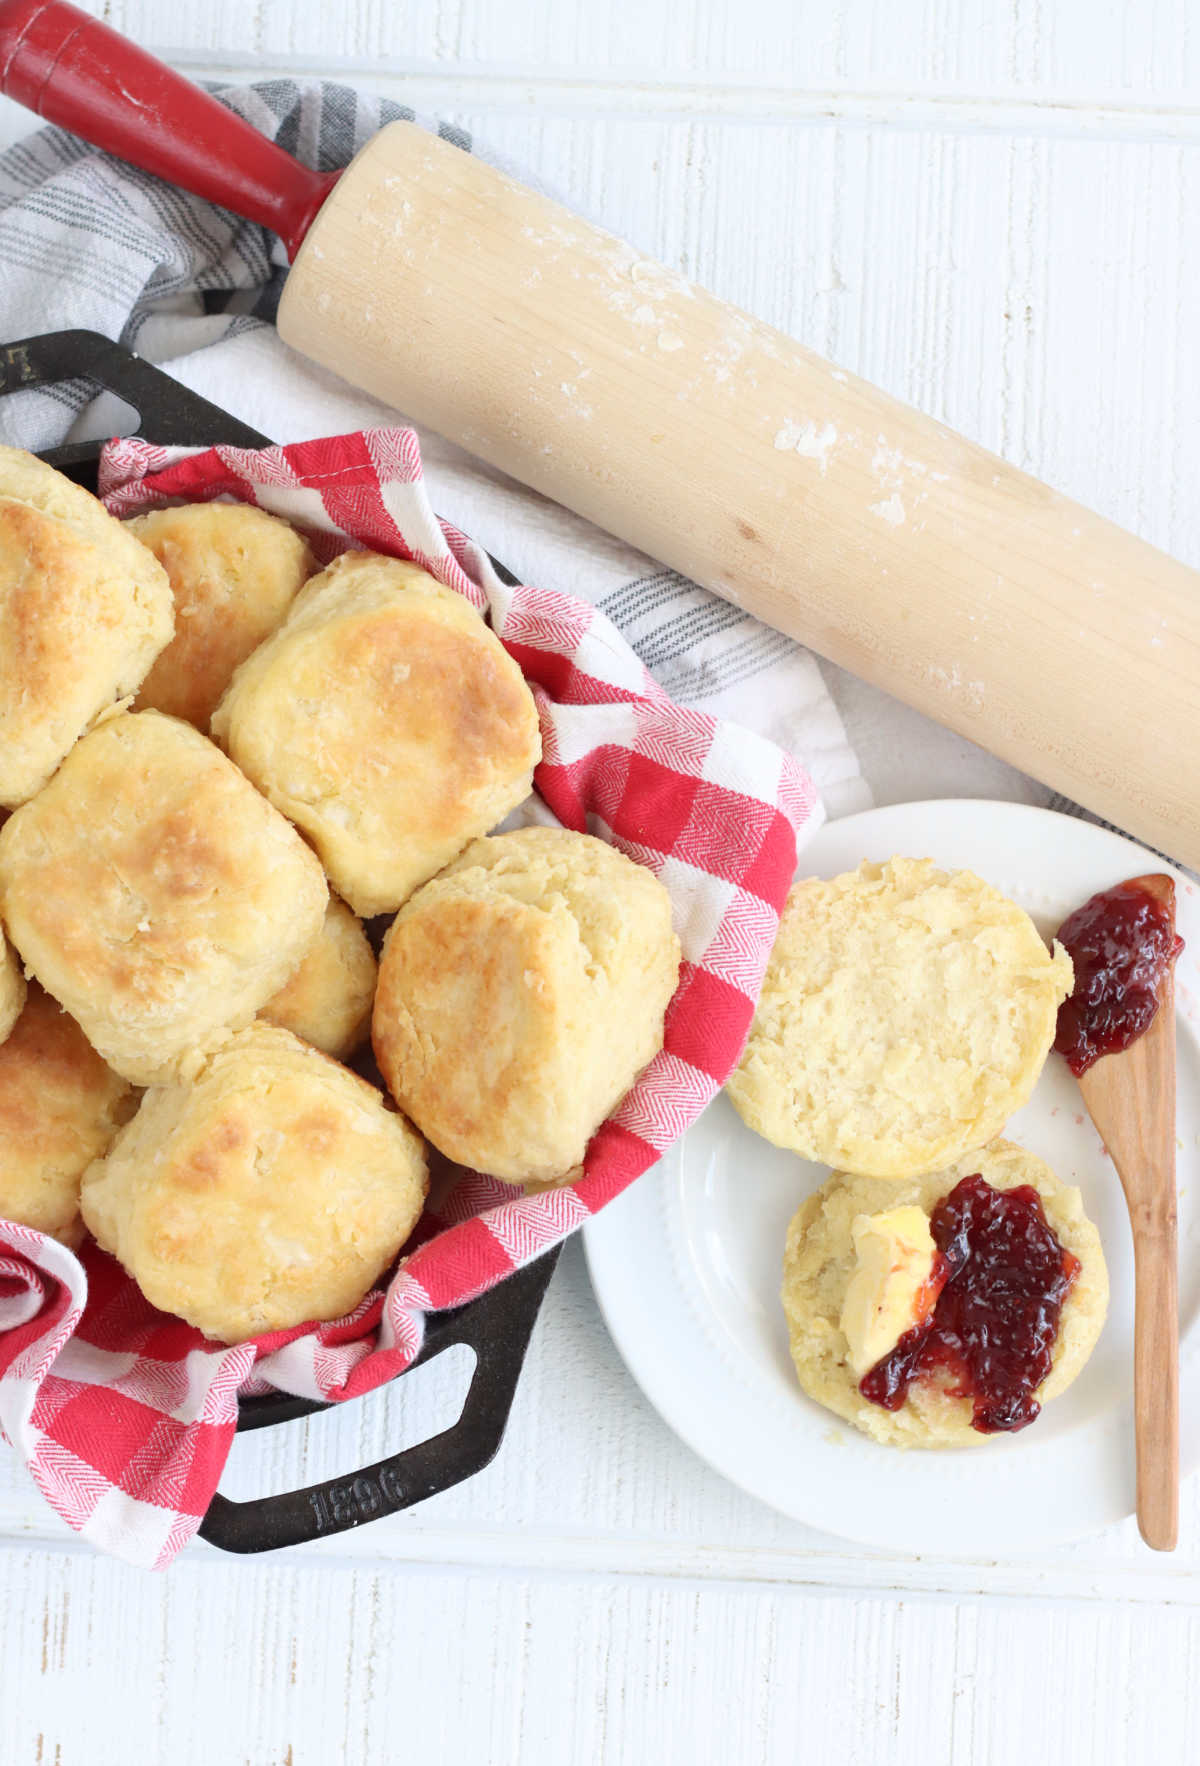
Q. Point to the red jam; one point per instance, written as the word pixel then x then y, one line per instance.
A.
pixel 993 1328
pixel 1121 942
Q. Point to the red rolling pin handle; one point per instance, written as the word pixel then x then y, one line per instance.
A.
pixel 76 72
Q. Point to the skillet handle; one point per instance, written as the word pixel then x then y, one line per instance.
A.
pixel 168 413
pixel 497 1327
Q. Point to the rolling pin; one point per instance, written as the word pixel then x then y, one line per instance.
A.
pixel 693 431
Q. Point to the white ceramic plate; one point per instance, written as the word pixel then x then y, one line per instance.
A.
pixel 686 1265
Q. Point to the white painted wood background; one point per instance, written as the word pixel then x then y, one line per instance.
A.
pixel 990 207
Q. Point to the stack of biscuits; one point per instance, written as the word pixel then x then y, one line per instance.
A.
pixel 216 759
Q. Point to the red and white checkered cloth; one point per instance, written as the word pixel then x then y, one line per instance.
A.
pixel 124 1415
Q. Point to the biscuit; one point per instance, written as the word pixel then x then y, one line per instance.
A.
pixel 84 610
pixel 272 1188
pixel 60 1106
pixel 154 893
pixel 520 994
pixel 234 572
pixel 387 722
pixel 327 1002
pixel 12 987
pixel 905 1015
pixel 819 1261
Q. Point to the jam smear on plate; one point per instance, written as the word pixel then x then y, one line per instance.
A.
pixel 991 1334
pixel 1121 942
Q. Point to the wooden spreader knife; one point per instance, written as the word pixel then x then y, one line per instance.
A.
pixel 693 431
pixel 1126 1071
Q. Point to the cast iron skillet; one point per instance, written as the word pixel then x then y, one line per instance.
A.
pixel 497 1326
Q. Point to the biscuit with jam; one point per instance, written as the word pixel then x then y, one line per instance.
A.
pixel 830 1326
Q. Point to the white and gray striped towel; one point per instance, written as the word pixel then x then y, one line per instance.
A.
pixel 87 241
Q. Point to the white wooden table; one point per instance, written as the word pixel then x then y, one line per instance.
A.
pixel 989 206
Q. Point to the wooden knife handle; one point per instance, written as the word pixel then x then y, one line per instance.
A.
pixel 1156 1380
pixel 76 72
pixel 725 449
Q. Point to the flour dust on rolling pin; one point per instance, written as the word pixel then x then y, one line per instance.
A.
pixel 729 452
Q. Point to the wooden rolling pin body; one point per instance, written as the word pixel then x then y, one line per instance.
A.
pixel 723 448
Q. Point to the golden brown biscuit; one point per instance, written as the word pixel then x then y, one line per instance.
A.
pixel 12 987
pixel 154 893
pixel 59 1108
pixel 234 572
pixel 520 994
pixel 819 1261
pixel 905 1015
pixel 328 999
pixel 84 610
pixel 272 1188
pixel 387 722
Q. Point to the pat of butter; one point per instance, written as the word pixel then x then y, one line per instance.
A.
pixel 891 1289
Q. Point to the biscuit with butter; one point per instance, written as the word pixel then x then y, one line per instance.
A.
pixel 866 1231
pixel 84 610
pixel 234 572
pixel 272 1188
pixel 328 999
pixel 905 1015
pixel 60 1106
pixel 12 986
pixel 155 894
pixel 387 721
pixel 520 994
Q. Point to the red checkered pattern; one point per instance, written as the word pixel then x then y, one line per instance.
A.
pixel 123 1415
